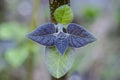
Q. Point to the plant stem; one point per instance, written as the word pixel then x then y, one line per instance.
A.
pixel 2 10
pixel 54 4
pixel 62 78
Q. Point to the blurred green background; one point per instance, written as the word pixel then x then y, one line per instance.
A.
pixel 22 59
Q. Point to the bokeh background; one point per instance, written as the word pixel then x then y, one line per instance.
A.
pixel 22 59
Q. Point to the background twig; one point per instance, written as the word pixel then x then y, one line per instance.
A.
pixel 34 22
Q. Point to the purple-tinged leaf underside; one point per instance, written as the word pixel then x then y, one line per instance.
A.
pixel 61 42
pixel 43 34
pixel 78 36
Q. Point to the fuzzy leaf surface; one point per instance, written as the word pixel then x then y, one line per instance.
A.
pixel 63 14
pixel 57 64
pixel 43 34
pixel 79 36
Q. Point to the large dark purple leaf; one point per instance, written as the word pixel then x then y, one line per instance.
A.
pixel 61 42
pixel 43 34
pixel 78 36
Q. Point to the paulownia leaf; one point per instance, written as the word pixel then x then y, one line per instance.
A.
pixel 43 34
pixel 78 36
pixel 61 42
pixel 63 14
pixel 57 64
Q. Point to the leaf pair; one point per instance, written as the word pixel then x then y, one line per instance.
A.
pixel 76 36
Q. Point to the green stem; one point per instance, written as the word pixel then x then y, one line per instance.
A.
pixel 54 4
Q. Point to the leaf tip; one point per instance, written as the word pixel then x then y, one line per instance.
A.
pixel 28 35
pixel 93 38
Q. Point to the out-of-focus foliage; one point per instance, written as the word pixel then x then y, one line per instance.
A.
pixel 18 53
pixel 12 30
pixel 17 56
pixel 90 13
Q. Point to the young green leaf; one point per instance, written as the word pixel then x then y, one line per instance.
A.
pixel 63 14
pixel 57 64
